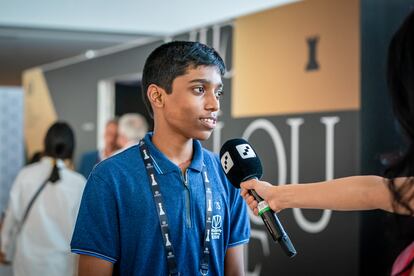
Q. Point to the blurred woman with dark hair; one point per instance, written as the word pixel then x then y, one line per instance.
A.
pixel 42 210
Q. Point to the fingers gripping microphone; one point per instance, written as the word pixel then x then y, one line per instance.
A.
pixel 241 163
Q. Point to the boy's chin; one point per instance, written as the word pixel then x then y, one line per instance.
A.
pixel 203 136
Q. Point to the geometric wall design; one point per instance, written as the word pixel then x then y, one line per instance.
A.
pixel 11 139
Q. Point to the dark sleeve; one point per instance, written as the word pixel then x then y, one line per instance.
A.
pixel 96 230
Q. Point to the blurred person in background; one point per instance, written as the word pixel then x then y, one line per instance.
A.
pixel 42 210
pixel 132 128
pixel 91 158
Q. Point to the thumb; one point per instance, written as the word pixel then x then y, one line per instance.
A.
pixel 249 184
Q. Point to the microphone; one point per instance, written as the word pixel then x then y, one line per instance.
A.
pixel 240 163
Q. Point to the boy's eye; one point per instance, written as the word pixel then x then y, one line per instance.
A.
pixel 219 93
pixel 199 90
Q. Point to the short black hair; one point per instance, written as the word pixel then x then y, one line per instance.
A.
pixel 59 142
pixel 173 59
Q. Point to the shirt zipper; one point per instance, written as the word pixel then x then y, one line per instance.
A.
pixel 187 200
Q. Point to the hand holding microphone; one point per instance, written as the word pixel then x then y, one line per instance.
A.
pixel 240 163
pixel 263 189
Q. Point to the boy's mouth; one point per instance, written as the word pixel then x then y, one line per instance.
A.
pixel 209 122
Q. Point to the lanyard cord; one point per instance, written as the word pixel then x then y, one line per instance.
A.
pixel 163 220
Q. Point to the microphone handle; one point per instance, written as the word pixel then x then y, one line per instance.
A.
pixel 273 225
pixel 267 215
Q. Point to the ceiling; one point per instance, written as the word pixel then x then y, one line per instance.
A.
pixel 38 32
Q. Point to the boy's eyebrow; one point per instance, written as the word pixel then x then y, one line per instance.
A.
pixel 204 81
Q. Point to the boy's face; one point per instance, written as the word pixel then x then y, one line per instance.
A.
pixel 191 109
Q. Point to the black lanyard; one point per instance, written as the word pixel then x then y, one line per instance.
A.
pixel 162 216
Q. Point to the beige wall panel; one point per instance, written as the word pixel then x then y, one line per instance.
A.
pixel 271 52
pixel 39 110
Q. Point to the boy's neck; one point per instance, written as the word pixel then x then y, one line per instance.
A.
pixel 178 150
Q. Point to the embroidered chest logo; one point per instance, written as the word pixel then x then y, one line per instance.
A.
pixel 216 227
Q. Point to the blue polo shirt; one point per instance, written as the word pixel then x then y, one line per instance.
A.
pixel 118 220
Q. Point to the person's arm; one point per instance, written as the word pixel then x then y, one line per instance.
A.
pixel 349 193
pixel 11 221
pixel 234 261
pixel 92 266
pixel 96 229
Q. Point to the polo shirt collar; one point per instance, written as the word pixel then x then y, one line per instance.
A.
pixel 164 165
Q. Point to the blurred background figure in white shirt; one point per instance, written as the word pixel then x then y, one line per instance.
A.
pixel 42 210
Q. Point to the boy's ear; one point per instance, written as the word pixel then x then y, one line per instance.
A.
pixel 155 95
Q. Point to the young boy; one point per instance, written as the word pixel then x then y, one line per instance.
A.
pixel 164 206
